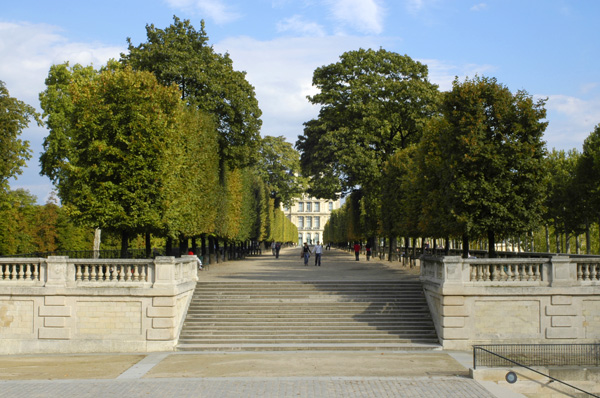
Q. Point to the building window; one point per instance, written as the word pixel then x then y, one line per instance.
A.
pixel 317 207
pixel 308 206
pixel 300 207
pixel 300 240
pixel 308 222
pixel 330 206
pixel 300 222
pixel 317 222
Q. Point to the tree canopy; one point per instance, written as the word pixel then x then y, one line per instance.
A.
pixel 15 115
pixel 179 54
pixel 373 103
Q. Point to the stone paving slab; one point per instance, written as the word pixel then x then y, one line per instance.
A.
pixel 313 364
pixel 319 387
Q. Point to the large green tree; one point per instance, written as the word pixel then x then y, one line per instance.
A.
pixel 279 168
pixel 493 160
pixel 106 156
pixel 588 176
pixel 15 115
pixel 373 103
pixel 181 55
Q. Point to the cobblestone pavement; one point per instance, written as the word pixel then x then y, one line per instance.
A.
pixel 249 387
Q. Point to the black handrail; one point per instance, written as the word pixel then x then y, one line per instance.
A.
pixel 475 348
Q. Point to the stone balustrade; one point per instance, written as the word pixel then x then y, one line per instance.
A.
pixel 93 305
pixel 520 300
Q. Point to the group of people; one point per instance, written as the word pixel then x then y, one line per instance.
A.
pixel 317 250
pixel 358 246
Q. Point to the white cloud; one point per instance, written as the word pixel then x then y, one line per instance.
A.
pixel 479 7
pixel 281 71
pixel 571 120
pixel 26 53
pixel 28 50
pixel 298 25
pixel 214 9
pixel 365 16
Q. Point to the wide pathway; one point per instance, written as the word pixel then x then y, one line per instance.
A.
pixel 255 374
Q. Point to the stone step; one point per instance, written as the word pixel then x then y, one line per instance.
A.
pixel 312 333
pixel 410 346
pixel 300 315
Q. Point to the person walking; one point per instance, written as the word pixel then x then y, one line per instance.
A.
pixel 277 249
pixel 356 250
pixel 368 248
pixel 318 251
pixel 306 253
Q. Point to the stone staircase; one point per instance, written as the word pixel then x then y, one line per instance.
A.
pixel 257 316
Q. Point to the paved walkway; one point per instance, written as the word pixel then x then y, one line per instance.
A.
pixel 255 374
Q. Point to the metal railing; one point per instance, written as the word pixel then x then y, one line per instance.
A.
pixel 528 355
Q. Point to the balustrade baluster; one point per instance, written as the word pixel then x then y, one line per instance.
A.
pixel 579 272
pixel 510 275
pixel 593 272
pixel 538 273
pixel 21 271
pixel 78 272
pixel 36 272
pixel 586 272
pixel 529 272
pixel 486 273
pixel 93 273
pixel 28 271
pixel 143 273
pixel 495 275
pixel 521 271
pixel 503 273
pixel 136 273
pixel 86 272
pixel 473 272
pixel 13 271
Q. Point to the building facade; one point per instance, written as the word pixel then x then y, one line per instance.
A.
pixel 310 216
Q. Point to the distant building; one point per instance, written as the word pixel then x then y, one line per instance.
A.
pixel 310 216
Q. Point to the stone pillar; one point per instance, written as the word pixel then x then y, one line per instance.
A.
pixel 56 272
pixel 164 272
pixel 563 271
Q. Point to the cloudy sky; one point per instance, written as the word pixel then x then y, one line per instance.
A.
pixel 550 48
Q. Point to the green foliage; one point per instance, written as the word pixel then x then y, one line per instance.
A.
pixel 26 227
pixel 279 167
pixel 565 203
pixel 494 176
pixel 191 177
pixel 14 117
pixel 372 104
pixel 119 124
pixel 181 55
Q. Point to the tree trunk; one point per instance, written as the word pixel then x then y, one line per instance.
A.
pixel 124 244
pixel 391 248
pixel 169 246
pixel 211 250
pixel 465 246
pixel 203 244
pixel 568 243
pixel 557 235
pixel 447 246
pixel 577 244
pixel 547 239
pixel 588 238
pixel 492 245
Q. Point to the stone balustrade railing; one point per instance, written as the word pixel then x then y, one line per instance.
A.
pixel 519 300
pixel 61 305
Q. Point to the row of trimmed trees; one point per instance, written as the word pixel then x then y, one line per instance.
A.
pixel 468 164
pixel 166 142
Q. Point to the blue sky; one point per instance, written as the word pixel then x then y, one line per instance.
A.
pixel 550 48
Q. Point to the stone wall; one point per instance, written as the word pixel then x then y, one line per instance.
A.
pixel 62 305
pixel 509 301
